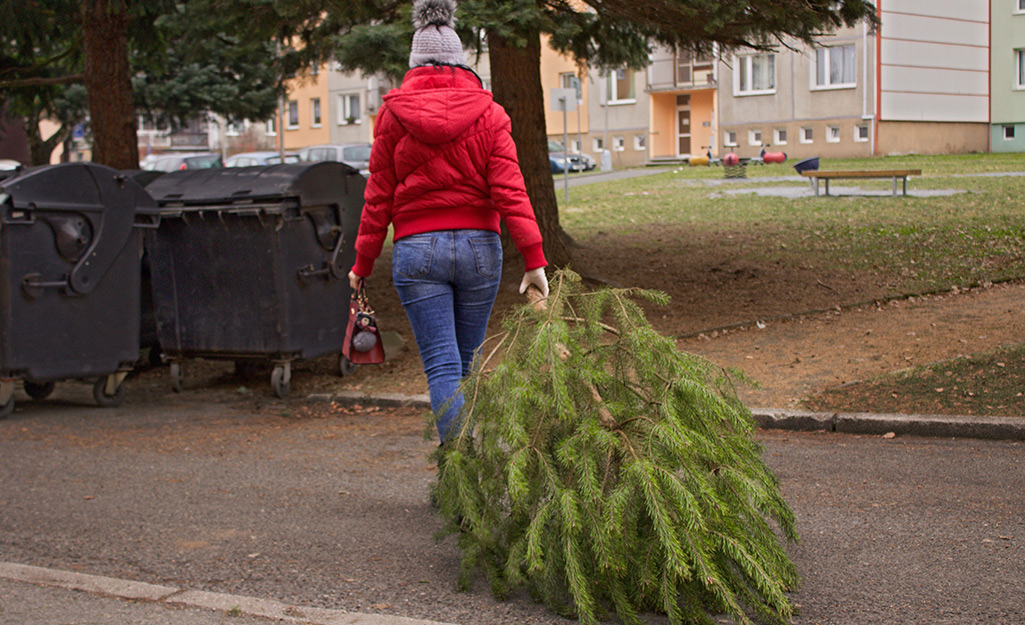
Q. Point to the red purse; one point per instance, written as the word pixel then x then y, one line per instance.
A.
pixel 363 344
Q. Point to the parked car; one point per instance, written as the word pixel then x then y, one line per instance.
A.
pixel 192 160
pixel 355 155
pixel 558 158
pixel 9 168
pixel 253 159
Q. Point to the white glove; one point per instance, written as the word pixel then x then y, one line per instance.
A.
pixel 537 278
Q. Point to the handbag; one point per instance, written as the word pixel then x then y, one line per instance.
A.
pixel 363 344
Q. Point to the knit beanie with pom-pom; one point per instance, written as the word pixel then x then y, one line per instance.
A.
pixel 435 41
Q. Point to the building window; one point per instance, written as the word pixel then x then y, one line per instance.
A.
pixel 1020 55
pixel 729 138
pixel 835 67
pixel 293 114
pixel 619 87
pixel 640 142
pixel 348 109
pixel 1021 6
pixel 618 144
pixel 598 144
pixel 231 130
pixel 272 126
pixel 861 132
pixel 832 134
pixel 807 136
pixel 754 74
pixel 1009 131
pixel 754 137
pixel 315 112
pixel 779 136
pixel 574 146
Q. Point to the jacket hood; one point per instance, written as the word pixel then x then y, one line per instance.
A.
pixel 437 104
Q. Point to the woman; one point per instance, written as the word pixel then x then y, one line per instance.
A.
pixel 443 172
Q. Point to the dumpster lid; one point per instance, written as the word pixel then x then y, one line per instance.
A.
pixel 78 187
pixel 311 184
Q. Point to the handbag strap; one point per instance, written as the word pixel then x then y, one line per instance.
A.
pixel 362 302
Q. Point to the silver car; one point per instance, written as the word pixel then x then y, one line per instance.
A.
pixel 355 155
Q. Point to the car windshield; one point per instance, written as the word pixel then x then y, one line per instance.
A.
pixel 204 162
pixel 555 146
pixel 289 158
pixel 356 153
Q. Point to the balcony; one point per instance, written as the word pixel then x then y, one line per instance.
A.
pixel 673 74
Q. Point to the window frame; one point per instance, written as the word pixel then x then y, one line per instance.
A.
pixel 609 82
pixel 777 133
pixel 315 113
pixel 832 134
pixel 729 138
pixel 345 109
pixel 743 66
pixel 292 114
pixel 857 133
pixel 806 135
pixel 1019 55
pixel 1009 128
pixel 754 137
pixel 828 85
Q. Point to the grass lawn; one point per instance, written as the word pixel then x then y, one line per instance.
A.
pixel 918 244
pixel 903 245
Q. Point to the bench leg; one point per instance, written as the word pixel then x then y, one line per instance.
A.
pixel 815 185
pixel 827 186
pixel 905 185
pixel 895 186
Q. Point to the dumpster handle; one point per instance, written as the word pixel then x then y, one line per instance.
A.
pixel 32 284
pixel 333 268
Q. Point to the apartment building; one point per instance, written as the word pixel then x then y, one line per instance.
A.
pixel 1007 78
pixel 917 85
pixel 682 89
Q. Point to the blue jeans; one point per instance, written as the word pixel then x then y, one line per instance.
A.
pixel 447 282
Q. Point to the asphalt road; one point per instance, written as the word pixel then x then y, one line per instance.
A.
pixel 320 506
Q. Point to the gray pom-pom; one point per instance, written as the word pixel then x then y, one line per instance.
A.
pixel 364 341
pixel 434 13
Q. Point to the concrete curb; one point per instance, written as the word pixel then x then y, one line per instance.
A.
pixel 176 597
pixel 936 426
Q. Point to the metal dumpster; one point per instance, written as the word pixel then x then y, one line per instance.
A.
pixel 70 249
pixel 252 263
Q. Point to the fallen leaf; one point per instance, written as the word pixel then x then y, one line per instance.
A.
pixel 890 435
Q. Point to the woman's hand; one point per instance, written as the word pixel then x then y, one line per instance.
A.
pixel 537 278
pixel 354 280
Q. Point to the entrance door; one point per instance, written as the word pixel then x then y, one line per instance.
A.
pixel 683 125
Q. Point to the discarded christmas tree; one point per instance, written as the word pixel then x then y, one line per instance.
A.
pixel 603 469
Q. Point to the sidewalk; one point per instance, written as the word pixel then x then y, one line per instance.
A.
pixel 32 595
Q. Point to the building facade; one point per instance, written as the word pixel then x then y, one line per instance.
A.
pixel 917 85
pixel 1007 78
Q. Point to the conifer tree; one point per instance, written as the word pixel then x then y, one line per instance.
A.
pixel 603 469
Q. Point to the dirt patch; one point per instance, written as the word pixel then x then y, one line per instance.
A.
pixel 795 331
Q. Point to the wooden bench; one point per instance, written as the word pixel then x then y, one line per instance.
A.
pixel 827 175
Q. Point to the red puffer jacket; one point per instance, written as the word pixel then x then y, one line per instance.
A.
pixel 443 159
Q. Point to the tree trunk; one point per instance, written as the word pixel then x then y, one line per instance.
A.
pixel 108 80
pixel 516 83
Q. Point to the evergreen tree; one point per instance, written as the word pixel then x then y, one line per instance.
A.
pixel 173 59
pixel 603 469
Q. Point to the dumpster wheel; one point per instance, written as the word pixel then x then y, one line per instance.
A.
pixel 37 390
pixel 346 366
pixel 176 377
pixel 281 379
pixel 105 399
